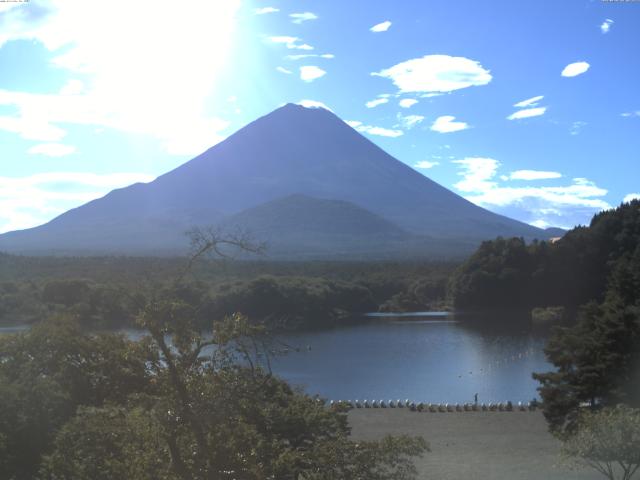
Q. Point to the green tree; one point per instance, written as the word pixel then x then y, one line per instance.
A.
pixel 596 364
pixel 506 273
pixel 213 410
pixel 65 292
pixel 108 443
pixel 47 373
pixel 607 441
pixel 216 412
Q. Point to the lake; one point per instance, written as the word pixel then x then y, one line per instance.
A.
pixel 423 357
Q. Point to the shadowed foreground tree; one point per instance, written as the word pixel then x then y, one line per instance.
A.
pixel 47 373
pixel 220 415
pixel 597 364
pixel 209 408
pixel 607 441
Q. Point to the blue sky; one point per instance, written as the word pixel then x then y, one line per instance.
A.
pixel 527 108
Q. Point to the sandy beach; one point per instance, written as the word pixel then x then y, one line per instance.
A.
pixel 474 445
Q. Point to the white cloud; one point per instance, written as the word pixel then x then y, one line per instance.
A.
pixel 371 130
pixel 20 23
pixel 533 175
pixel 264 10
pixel 380 131
pixel 606 25
pixel 582 181
pixel 425 164
pixel 529 102
pixel 287 40
pixel 302 17
pixel 447 124
pixel 575 69
pixel 30 127
pixel 436 73
pixel 284 70
pixel 381 27
pixel 309 55
pixel 73 87
pixel 407 102
pixel 631 114
pixel 410 121
pixel 313 104
pixel 52 149
pixel 576 127
pixel 563 206
pixel 181 69
pixel 309 73
pixel 376 102
pixel 527 113
pixel 292 43
pixel 477 174
pixel 631 196
pixel 30 201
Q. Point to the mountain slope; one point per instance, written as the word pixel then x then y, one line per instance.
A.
pixel 305 227
pixel 293 150
pixel 308 216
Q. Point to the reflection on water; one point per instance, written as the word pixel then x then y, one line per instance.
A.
pixel 409 314
pixel 428 358
pixel 14 329
pixel 430 361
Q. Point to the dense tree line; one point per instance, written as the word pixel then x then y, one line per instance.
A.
pixel 105 292
pixel 508 273
pixel 292 301
pixel 597 360
pixel 135 270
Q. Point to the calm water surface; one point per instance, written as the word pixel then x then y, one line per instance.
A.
pixel 426 358
pixel 423 360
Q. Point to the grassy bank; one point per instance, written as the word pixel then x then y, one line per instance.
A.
pixel 474 445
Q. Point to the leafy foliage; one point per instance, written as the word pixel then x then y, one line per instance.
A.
pixel 607 441
pixel 598 358
pixel 80 406
pixel 597 361
pixel 180 404
pixel 108 292
pixel 576 269
pixel 292 301
pixel 47 373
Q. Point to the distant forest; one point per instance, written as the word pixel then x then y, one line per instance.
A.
pixel 108 292
pixel 503 274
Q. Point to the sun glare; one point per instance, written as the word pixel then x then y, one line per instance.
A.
pixel 149 67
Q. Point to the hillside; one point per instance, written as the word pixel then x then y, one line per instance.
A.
pixel 584 265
